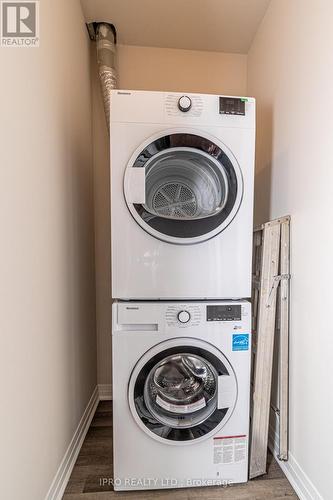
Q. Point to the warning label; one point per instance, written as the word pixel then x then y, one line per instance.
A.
pixel 191 407
pixel 229 449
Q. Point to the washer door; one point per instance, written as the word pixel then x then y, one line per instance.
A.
pixel 182 390
pixel 183 188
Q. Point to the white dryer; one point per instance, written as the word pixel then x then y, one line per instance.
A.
pixel 181 195
pixel 181 385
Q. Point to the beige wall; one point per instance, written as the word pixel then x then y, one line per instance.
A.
pixel 48 351
pixel 147 68
pixel 290 72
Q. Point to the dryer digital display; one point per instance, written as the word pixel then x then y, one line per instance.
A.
pixel 232 105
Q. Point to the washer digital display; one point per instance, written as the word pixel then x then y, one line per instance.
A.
pixel 229 312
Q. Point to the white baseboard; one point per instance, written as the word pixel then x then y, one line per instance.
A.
pixel 62 476
pixel 301 483
pixel 105 392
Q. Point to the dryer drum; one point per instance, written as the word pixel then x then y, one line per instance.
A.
pixel 192 188
pixel 185 183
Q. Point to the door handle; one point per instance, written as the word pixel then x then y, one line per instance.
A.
pixel 136 185
pixel 226 391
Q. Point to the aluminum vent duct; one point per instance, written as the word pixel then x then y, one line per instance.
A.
pixel 106 55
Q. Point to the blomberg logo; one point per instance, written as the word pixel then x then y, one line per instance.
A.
pixel 20 23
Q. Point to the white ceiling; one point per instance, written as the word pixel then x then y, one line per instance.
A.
pixel 215 25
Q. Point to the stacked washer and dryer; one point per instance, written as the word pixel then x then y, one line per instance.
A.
pixel 182 171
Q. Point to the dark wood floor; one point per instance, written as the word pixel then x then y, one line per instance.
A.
pixel 95 462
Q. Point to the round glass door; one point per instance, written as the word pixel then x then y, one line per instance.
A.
pixel 184 184
pixel 183 188
pixel 182 393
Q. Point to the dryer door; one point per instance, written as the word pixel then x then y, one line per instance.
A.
pixel 182 390
pixel 183 188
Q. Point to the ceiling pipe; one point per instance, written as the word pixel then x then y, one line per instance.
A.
pixel 105 36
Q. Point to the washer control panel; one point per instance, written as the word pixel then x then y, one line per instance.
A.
pixel 178 315
pixel 228 312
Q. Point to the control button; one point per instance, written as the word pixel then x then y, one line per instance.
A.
pixel 184 316
pixel 184 103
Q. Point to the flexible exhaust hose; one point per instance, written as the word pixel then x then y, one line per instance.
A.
pixel 106 54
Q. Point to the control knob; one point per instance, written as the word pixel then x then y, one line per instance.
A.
pixel 184 316
pixel 184 103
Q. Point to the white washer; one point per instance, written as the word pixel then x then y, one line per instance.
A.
pixel 181 195
pixel 181 385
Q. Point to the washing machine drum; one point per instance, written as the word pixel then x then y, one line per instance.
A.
pixel 183 188
pixel 181 385
pixel 182 390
